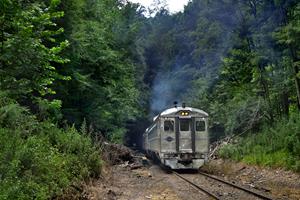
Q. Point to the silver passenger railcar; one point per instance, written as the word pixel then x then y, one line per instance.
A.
pixel 178 137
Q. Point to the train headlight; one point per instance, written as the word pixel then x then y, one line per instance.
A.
pixel 184 113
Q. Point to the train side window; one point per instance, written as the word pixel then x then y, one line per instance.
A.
pixel 169 125
pixel 200 125
pixel 184 125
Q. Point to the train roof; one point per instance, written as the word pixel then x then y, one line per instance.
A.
pixel 179 108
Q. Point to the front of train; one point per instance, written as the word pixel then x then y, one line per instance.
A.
pixel 184 137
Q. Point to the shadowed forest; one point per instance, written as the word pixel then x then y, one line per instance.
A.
pixel 73 72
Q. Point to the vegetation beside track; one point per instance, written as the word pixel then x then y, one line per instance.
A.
pixel 66 79
pixel 38 159
pixel 277 146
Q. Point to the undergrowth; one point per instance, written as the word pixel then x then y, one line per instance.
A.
pixel 38 160
pixel 277 146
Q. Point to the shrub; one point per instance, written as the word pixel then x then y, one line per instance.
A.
pixel 117 136
pixel 277 146
pixel 38 160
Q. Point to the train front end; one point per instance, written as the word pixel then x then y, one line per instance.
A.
pixel 183 137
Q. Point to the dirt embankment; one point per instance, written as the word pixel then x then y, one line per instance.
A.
pixel 128 175
pixel 122 182
pixel 278 183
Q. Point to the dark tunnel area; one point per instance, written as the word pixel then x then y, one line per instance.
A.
pixel 134 135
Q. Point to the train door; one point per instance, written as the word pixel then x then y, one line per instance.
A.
pixel 168 139
pixel 201 135
pixel 184 135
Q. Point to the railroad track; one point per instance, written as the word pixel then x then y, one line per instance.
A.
pixel 222 181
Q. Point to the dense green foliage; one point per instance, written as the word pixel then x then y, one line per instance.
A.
pixel 77 57
pixel 39 160
pixel 63 63
pixel 29 51
pixel 276 146
pixel 103 87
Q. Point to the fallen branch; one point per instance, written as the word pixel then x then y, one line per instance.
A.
pixel 216 146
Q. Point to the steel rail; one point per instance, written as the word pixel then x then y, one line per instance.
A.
pixel 197 186
pixel 237 186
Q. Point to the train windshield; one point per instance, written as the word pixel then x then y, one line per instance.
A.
pixel 200 125
pixel 169 125
pixel 185 124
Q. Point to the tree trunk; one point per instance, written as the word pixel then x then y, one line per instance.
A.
pixel 285 103
pixel 296 72
pixel 267 98
pixel 297 82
